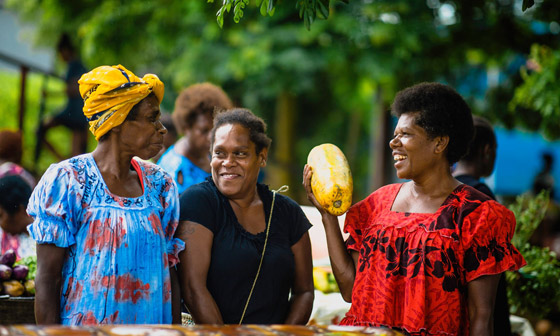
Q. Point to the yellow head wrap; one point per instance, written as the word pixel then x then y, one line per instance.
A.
pixel 110 92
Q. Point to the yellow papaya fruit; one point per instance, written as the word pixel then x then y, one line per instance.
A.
pixel 331 182
pixel 320 279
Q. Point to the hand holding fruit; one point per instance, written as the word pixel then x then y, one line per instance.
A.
pixel 328 180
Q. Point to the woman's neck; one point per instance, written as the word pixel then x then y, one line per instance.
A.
pixel 111 161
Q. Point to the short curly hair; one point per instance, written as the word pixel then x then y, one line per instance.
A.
pixel 245 118
pixel 441 112
pixel 198 99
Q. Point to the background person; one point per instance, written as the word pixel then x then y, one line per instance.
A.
pixel 188 160
pixel 14 196
pixel 424 256
pixel 11 151
pixel 71 116
pixel 224 223
pixel 476 164
pixel 104 221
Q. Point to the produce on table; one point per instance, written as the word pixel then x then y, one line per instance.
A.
pixel 5 272
pixel 324 280
pixel 8 258
pixel 17 278
pixel 331 182
pixel 29 286
pixel 20 272
pixel 13 288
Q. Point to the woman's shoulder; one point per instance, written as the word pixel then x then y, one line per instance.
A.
pixel 204 188
pixel 385 194
pixel 77 168
pixel 468 201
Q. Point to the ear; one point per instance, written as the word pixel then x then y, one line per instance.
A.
pixel 441 143
pixel 487 150
pixel 262 157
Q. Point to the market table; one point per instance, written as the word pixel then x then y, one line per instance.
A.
pixel 177 330
pixel 17 310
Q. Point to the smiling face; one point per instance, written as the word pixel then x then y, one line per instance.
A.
pixel 235 163
pixel 143 135
pixel 413 151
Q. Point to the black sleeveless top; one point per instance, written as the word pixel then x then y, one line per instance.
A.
pixel 236 253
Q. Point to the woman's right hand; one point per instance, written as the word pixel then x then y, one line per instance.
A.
pixel 307 173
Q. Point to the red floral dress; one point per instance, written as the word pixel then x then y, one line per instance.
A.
pixel 413 268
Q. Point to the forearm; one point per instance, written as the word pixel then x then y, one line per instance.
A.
pixel 175 296
pixel 481 323
pixel 47 300
pixel 301 306
pixel 202 306
pixel 342 264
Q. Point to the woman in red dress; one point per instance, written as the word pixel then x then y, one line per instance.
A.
pixel 423 256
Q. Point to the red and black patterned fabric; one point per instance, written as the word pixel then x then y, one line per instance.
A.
pixel 413 268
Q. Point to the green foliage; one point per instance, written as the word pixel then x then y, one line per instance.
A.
pixel 538 94
pixel 533 290
pixel 343 73
pixel 308 10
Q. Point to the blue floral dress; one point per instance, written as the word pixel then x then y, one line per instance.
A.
pixel 116 270
pixel 175 163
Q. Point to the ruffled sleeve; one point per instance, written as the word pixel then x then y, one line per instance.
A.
pixel 353 226
pixel 486 239
pixel 170 220
pixel 53 208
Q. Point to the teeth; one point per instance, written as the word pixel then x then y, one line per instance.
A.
pixel 399 157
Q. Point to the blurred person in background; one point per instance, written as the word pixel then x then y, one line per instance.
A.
pixel 71 116
pixel 476 164
pixel 424 256
pixel 248 252
pixel 104 221
pixel 547 233
pixel 188 160
pixel 14 196
pixel 11 151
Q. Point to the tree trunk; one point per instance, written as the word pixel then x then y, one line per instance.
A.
pixel 283 169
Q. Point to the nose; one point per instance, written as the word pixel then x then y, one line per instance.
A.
pixel 394 142
pixel 161 128
pixel 229 161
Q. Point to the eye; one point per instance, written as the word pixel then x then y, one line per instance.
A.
pixel 240 154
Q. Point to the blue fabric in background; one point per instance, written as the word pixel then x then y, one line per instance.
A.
pixel 519 160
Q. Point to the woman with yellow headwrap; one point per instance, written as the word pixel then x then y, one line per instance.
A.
pixel 104 221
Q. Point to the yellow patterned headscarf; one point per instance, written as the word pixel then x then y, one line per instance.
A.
pixel 110 92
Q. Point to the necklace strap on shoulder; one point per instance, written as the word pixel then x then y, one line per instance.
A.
pixel 283 188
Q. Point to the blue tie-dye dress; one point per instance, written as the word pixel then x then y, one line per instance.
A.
pixel 119 249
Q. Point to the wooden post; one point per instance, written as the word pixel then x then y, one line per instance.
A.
pixel 23 79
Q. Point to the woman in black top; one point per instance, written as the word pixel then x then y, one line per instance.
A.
pixel 224 223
